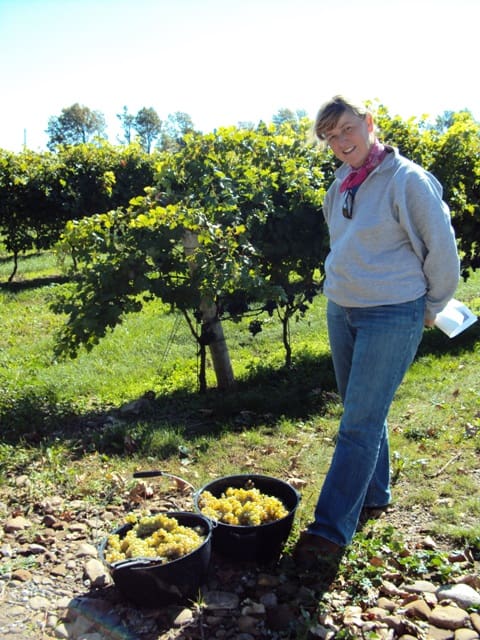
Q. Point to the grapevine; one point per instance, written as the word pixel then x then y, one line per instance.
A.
pixel 158 536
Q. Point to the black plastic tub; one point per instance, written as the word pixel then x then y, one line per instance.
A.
pixel 149 583
pixel 261 543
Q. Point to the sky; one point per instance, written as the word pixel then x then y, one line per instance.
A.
pixel 230 61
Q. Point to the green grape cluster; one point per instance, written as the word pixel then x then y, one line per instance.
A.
pixel 158 536
pixel 242 507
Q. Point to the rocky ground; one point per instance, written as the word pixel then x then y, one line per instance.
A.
pixel 53 585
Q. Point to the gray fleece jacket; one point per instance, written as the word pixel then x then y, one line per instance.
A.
pixel 399 243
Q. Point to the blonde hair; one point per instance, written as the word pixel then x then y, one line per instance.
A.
pixel 330 112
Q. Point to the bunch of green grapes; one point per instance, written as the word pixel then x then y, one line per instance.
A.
pixel 158 536
pixel 243 507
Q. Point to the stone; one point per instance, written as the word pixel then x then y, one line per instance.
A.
pixel 394 622
pixel 23 575
pixel 457 556
pixel 279 618
pixel 466 634
pixel 411 597
pixel 418 609
pixel 464 595
pixel 19 523
pixel 269 599
pixel 22 481
pixel 390 589
pixel 87 549
pixel 247 624
pixel 253 609
pixel 449 617
pixel 59 570
pixel 420 586
pixel 434 633
pixel 77 527
pixel 321 632
pixel 475 620
pixel 38 603
pixel 63 602
pixel 184 617
pixel 52 620
pixel 386 603
pixel 431 599
pixel 61 631
pixel 96 573
pixel 429 543
pixel 376 613
pixel 51 504
pixel 49 520
pixel 473 579
pixel 267 580
pixel 220 600
pixel 353 615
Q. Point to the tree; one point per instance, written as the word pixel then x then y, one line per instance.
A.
pixel 444 121
pixel 287 116
pixel 75 125
pixel 246 124
pixel 128 123
pixel 148 126
pixel 174 129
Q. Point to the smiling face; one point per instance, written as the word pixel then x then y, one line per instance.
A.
pixel 351 138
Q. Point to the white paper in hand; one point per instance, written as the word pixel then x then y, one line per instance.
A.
pixel 454 318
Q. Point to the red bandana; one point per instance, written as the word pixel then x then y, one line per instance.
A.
pixel 355 178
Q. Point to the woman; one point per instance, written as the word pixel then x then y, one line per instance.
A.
pixel 392 266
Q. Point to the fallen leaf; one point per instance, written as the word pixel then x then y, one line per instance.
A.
pixel 376 561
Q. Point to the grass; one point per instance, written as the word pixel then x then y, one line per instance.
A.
pixel 63 420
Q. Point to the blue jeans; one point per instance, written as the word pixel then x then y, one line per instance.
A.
pixel 372 349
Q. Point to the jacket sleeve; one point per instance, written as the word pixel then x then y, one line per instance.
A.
pixel 427 222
